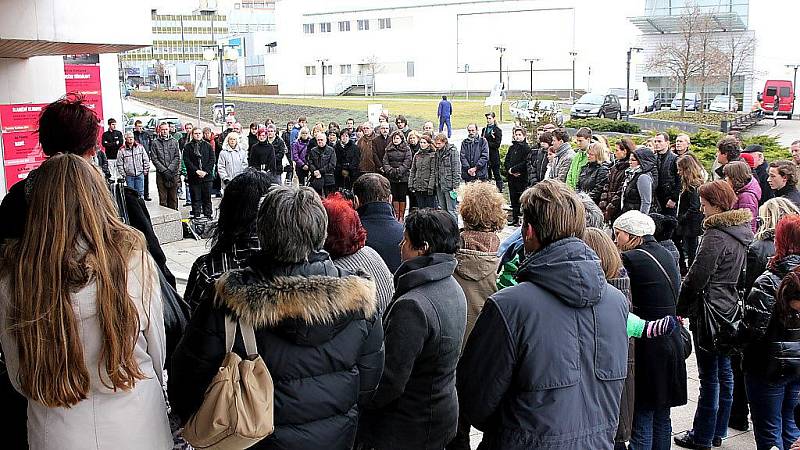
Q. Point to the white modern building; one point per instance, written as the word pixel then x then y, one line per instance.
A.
pixel 449 45
pixel 34 37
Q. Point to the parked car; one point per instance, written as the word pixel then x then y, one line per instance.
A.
pixel 154 121
pixel 785 90
pixel 639 97
pixel 662 101
pixel 724 103
pixel 176 88
pixel 132 119
pixel 691 103
pixel 596 105
pixel 534 109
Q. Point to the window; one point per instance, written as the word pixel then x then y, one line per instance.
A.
pixel 325 27
pixel 410 69
pixel 345 69
pixel 363 25
pixel 385 23
pixel 308 28
pixel 311 70
pixel 784 92
pixel 328 70
pixel 344 26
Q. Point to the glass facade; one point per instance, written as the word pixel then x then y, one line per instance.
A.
pixel 656 8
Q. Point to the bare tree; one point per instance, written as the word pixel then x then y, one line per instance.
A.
pixel 737 51
pixel 683 56
pixel 712 63
pixel 375 67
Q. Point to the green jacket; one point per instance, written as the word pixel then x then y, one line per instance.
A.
pixel 580 159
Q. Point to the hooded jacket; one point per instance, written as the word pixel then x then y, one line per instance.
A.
pixel 424 174
pixel 517 162
pixel 476 273
pixel 592 180
pixel 748 197
pixel 634 191
pixel 525 379
pixel 474 153
pixel 397 160
pixel 772 350
pixel 416 406
pixel 611 198
pixel 317 330
pixel 577 164
pixel 448 168
pixel 709 294
pixel 562 162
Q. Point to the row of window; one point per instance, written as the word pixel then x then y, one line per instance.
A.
pixel 344 26
pixel 189 17
pixel 347 69
pixel 189 30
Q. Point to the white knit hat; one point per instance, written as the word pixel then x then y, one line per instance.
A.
pixel 635 223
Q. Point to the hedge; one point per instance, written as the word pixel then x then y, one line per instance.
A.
pixel 604 125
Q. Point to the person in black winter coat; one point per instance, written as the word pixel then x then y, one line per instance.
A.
pixel 770 330
pixel 665 228
pixel 594 175
pixel 611 198
pixel 523 378
pixel 537 161
pixel 690 217
pixel 396 166
pixel 760 171
pixel 669 183
pixel 710 298
pixel 198 157
pixel 660 366
pixel 322 166
pixel 516 170
pixel 416 405
pixel 783 178
pixel 347 158
pixel 316 328
pixel 641 179
pixel 494 137
pixel 262 154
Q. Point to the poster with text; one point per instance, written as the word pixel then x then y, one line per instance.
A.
pixel 85 80
pixel 21 150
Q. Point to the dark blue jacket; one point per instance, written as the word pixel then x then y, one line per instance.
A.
pixel 416 405
pixel 474 153
pixel 545 364
pixel 384 232
pixel 445 109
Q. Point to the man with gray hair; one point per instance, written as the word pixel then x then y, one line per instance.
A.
pixel 474 156
pixel 682 142
pixel 133 163
pixel 167 159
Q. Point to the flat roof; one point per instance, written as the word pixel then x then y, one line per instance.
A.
pixel 660 24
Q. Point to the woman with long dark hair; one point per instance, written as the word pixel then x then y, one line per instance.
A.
pixel 611 198
pixel 233 238
pixel 82 314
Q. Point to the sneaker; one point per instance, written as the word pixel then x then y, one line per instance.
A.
pixel 686 440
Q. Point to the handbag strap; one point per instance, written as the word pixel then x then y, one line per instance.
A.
pixel 248 335
pixel 663 271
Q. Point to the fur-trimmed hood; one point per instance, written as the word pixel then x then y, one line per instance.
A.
pixel 307 307
pixel 735 223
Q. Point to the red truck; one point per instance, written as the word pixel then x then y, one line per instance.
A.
pixel 783 89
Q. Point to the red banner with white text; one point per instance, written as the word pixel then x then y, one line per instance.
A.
pixel 21 150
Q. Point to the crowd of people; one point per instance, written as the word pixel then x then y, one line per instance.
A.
pixel 382 300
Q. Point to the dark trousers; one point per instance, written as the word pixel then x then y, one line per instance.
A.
pixel 772 409
pixel 423 200
pixel 739 409
pixel 146 186
pixel 201 198
pixel 689 248
pixel 494 168
pixel 515 191
pixel 302 175
pixel 167 196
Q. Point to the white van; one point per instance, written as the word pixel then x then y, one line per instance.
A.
pixel 639 97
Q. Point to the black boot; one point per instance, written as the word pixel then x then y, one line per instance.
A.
pixel 686 440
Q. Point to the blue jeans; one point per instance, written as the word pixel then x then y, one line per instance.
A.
pixel 136 183
pixel 772 409
pixel 442 122
pixel 652 429
pixel 716 396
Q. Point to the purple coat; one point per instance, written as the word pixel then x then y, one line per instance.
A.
pixel 299 152
pixel 748 198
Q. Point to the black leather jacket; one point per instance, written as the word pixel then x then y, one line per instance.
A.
pixel 772 344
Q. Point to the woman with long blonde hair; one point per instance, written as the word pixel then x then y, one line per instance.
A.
pixel 83 328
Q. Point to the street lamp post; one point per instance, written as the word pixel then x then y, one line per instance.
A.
pixel 572 91
pixel 628 82
pixel 532 60
pixel 209 54
pixel 322 62
pixel 794 84
pixel 502 50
